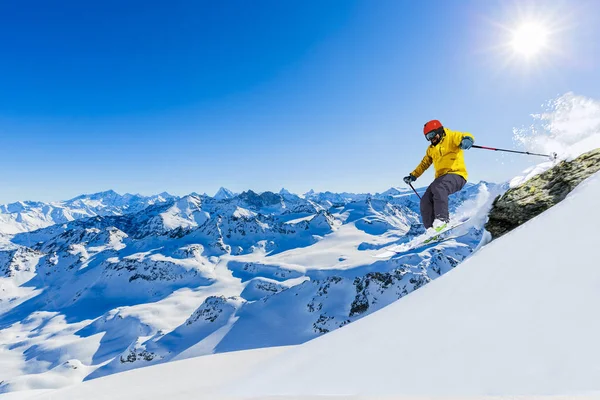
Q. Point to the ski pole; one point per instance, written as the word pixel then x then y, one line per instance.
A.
pixel 411 186
pixel 551 156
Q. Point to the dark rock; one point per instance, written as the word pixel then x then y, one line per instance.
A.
pixel 524 202
pixel 256 201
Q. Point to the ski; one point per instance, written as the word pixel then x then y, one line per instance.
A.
pixel 421 241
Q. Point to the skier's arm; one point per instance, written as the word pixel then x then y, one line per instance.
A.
pixel 458 137
pixel 423 165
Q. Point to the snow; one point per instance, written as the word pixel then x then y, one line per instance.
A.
pixel 198 276
pixel 324 254
pixel 30 215
pixel 298 220
pixel 243 213
pixel 569 126
pixel 223 193
pixel 530 173
pixel 185 379
pixel 515 321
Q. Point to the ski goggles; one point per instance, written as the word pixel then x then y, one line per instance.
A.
pixel 429 136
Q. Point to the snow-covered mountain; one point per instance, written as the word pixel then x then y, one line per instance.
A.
pixel 329 199
pixel 199 275
pixel 501 324
pixel 26 216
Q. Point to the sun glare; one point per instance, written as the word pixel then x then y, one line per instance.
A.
pixel 529 39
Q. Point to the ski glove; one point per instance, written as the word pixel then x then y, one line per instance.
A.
pixel 408 179
pixel 466 143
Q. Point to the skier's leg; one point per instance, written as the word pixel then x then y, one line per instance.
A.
pixel 441 188
pixel 427 208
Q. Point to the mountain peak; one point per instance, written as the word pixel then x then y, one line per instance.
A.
pixel 394 191
pixel 164 196
pixel 224 194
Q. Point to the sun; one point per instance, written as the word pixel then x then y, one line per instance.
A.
pixel 529 39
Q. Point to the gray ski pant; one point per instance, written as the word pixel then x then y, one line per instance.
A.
pixel 434 203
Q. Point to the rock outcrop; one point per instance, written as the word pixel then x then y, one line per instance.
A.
pixel 524 202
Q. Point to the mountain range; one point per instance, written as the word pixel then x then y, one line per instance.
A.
pixel 110 283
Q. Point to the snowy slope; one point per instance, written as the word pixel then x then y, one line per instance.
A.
pixel 509 322
pixel 185 379
pixel 515 319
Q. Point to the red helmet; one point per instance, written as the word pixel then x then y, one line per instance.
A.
pixel 431 126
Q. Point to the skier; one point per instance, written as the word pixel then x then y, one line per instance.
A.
pixel 446 154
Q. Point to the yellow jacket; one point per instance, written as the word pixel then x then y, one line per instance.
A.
pixel 446 156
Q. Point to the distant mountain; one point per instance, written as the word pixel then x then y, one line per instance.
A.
pixel 395 191
pixel 328 199
pixel 223 194
pixel 26 216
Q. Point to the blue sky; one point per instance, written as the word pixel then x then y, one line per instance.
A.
pixel 182 96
